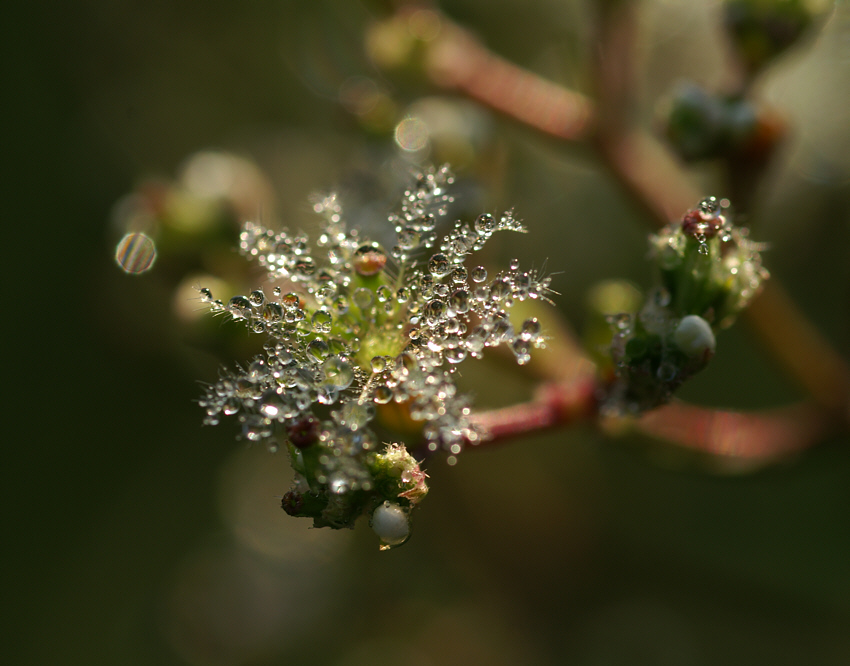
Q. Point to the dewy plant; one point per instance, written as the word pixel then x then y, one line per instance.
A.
pixel 353 328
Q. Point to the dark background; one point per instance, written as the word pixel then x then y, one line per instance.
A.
pixel 134 536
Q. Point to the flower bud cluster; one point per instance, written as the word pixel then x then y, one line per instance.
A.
pixel 352 328
pixel 709 272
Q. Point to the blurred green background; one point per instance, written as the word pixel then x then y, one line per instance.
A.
pixel 134 536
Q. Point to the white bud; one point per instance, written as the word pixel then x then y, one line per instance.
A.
pixel 389 521
pixel 694 337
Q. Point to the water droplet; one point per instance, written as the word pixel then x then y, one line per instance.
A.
pixel 500 289
pixel 403 295
pixel 304 267
pixel 530 329
pixel 338 373
pixel 459 275
pixel 322 321
pixel 317 349
pixel 514 264
pixel 363 298
pixel 384 293
pixel 459 302
pixel 239 307
pixel 479 274
pixel 485 223
pixel 379 364
pixel 703 249
pixel 206 295
pixel 257 298
pixel 291 300
pixel 339 484
pixel 522 350
pixel 709 207
pixel 383 394
pixel 455 354
pixel 369 259
pixel 408 239
pixel 439 265
pixel 135 253
pixel 272 313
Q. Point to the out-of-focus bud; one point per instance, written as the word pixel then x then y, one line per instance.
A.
pixel 709 272
pixel 762 29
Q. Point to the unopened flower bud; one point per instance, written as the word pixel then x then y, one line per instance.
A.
pixel 694 337
pixel 390 523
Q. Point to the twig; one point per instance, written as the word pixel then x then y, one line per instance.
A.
pixel 556 405
pixel 457 61
pixel 760 436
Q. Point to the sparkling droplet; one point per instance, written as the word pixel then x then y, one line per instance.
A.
pixel 384 293
pixel 239 307
pixel 439 265
pixel 318 349
pixel 379 364
pixel 455 354
pixel 257 298
pixel 459 302
pixel 514 264
pixel 369 259
pixel 383 394
pixel 338 373
pixel 530 329
pixel 479 274
pixel 459 275
pixel 485 223
pixel 272 313
pixel 322 321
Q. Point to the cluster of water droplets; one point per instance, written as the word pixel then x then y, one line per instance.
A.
pixel 351 327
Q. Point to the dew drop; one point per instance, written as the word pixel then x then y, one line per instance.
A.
pixel 459 275
pixel 514 264
pixel 439 265
pixel 530 329
pixel 257 298
pixel 383 394
pixel 239 307
pixel 408 239
pixel 304 268
pixel 384 293
pixel 455 354
pixel 338 373
pixel 272 313
pixel 479 274
pixel 459 301
pixel 318 349
pixel 322 321
pixel 363 298
pixel 378 363
pixel 369 259
pixel 485 223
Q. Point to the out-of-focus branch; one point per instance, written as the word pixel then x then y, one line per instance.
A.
pixel 556 405
pixel 803 350
pixel 761 436
pixel 457 61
